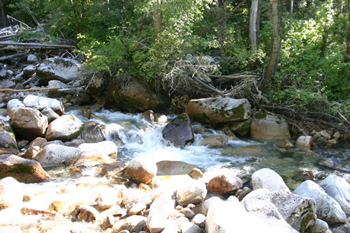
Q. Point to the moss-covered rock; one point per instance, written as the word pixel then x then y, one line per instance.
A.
pixel 218 110
pixel 134 95
pixel 267 125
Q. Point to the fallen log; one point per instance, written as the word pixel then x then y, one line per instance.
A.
pixel 32 46
pixel 28 90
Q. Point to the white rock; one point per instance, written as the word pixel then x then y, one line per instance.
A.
pixel 304 142
pixel 65 128
pixel 54 155
pixel 339 189
pixel 108 197
pixel 159 211
pixel 39 102
pixel 11 191
pixel 193 191
pixel 268 179
pixel 327 208
pixel 97 153
pixel 189 227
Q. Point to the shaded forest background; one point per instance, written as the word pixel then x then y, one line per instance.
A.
pixel 291 53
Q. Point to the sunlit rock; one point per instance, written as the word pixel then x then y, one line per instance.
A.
pixel 224 183
pixel 159 211
pixel 304 142
pixel 179 132
pixel 339 189
pixel 199 220
pixel 166 167
pixel 193 191
pixel 113 168
pixel 235 218
pixel 29 122
pixel 39 102
pixel 11 229
pixel 138 208
pixel 190 227
pixel 141 170
pixel 23 170
pixel 133 196
pixel 267 125
pixel 65 128
pixel 11 192
pixel 97 153
pixel 320 226
pixel 195 173
pixel 327 208
pixel 217 110
pixel 57 155
pixel 12 106
pixel 109 197
pixel 268 179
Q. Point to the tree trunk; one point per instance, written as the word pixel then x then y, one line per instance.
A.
pixel 253 20
pixel 3 15
pixel 157 18
pixel 221 13
pixel 274 45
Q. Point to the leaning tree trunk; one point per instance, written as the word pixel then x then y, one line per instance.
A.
pixel 253 20
pixel 274 45
pixel 3 16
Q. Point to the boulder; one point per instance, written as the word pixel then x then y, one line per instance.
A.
pixel 304 142
pixel 109 197
pixel 113 169
pixel 11 192
pixel 217 110
pixel 8 144
pixel 241 128
pixel 219 140
pixel 94 132
pixel 339 189
pixel 134 95
pixel 141 170
pixel 62 69
pixel 39 102
pixel 54 155
pixel 179 131
pixel 267 125
pixel 159 211
pixel 23 170
pixel 29 123
pixel 173 167
pixel 191 192
pixel 231 216
pixel 327 208
pixel 65 128
pixel 268 179
pixel 97 153
pixel 12 106
pixel 224 183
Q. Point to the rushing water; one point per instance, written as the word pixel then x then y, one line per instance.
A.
pixel 140 138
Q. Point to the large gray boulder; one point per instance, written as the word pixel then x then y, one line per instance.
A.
pixel 339 189
pixel 54 155
pixel 179 131
pixel 23 170
pixel 267 125
pixel 65 128
pixel 39 102
pixel 29 122
pixel 216 110
pixel 327 208
pixel 62 69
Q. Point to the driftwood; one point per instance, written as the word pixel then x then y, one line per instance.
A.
pixel 28 90
pixel 19 46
